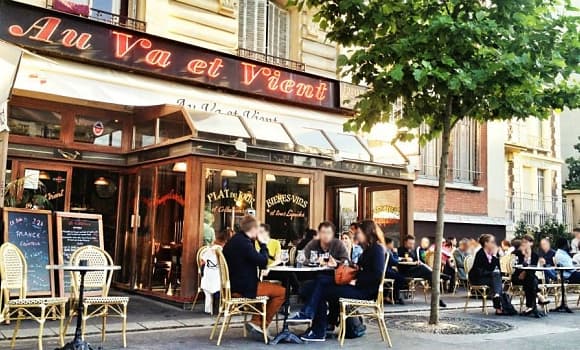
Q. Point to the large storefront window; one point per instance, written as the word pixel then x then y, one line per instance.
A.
pixel 229 195
pixel 287 206
pixel 98 131
pixel 34 122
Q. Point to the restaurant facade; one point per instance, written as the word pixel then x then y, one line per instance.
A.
pixel 172 143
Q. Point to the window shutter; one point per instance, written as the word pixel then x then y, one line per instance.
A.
pixel 252 24
pixel 278 31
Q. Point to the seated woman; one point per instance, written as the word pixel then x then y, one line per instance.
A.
pixel 527 279
pixel 563 259
pixel 369 277
pixel 486 269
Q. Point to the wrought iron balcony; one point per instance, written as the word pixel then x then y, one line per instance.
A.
pixel 535 211
pixel 99 15
pixel 276 61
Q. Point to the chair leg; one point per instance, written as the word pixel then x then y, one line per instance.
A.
pixel 217 321
pixel 195 298
pixel 244 331
pixel 124 329
pixel 62 328
pixel 41 321
pixel 264 326
pixel 104 324
pixel 226 319
pixel 383 325
pixel 16 328
pixel 343 323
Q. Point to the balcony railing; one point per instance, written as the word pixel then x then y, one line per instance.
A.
pixel 100 16
pixel 276 61
pixel 465 176
pixel 519 134
pixel 535 212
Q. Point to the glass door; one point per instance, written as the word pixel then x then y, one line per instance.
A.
pixel 386 206
pixel 347 207
pixel 126 245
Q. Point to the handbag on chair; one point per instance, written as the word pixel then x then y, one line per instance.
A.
pixel 344 274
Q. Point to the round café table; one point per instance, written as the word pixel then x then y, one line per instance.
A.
pixel 563 307
pixel 78 343
pixel 287 271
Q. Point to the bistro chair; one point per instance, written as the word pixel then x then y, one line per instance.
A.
pixel 474 290
pixel 13 277
pixel 199 261
pixel 506 266
pixel 103 305
pixel 366 308
pixel 458 281
pixel 230 306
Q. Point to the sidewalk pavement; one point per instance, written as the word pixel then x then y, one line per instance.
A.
pixel 145 314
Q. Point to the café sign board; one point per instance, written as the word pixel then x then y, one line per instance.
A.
pixel 73 37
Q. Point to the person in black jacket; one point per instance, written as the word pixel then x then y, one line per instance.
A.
pixel 370 275
pixel 486 269
pixel 243 262
pixel 526 278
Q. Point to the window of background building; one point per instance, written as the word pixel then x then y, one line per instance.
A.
pixel 463 154
pixel 264 27
pixel 287 206
pixel 541 184
pixel 229 195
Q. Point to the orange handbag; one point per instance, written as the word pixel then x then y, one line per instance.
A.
pixel 344 274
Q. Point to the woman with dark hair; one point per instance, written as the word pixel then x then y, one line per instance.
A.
pixel 369 276
pixel 486 269
pixel 563 259
pixel 309 235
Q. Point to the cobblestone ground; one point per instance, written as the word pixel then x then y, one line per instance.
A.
pixel 553 332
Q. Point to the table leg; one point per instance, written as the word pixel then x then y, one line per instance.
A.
pixel 286 335
pixel 78 343
pixel 563 303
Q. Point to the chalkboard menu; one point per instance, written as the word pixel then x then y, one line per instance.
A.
pixel 75 230
pixel 31 232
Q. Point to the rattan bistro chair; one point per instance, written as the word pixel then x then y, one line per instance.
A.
pixel 13 277
pixel 103 306
pixel 199 262
pixel 365 308
pixel 474 290
pixel 230 306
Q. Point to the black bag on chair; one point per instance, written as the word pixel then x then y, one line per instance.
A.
pixel 506 305
pixel 355 328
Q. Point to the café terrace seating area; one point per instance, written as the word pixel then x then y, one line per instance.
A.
pixel 53 315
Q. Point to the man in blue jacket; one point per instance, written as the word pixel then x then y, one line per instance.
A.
pixel 243 262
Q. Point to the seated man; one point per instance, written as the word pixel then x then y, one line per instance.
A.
pixel 563 259
pixel 459 255
pixel 527 279
pixel 243 262
pixel 392 273
pixel 486 270
pixel 326 243
pixel 407 253
pixel 547 255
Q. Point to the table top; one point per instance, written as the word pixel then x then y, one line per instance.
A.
pixel 546 268
pixel 407 262
pixel 281 268
pixel 83 268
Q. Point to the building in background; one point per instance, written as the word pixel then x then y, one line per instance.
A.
pixel 569 133
pixel 533 172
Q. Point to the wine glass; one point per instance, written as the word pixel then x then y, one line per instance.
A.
pixel 326 257
pixel 300 258
pixel 284 256
pixel 313 258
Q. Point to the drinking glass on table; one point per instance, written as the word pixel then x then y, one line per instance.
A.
pixel 326 257
pixel 313 258
pixel 300 258
pixel 284 256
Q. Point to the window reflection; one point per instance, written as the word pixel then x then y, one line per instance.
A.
pixel 386 212
pixel 229 195
pixel 34 122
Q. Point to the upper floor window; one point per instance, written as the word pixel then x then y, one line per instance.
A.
pixel 118 12
pixel 462 155
pixel 264 27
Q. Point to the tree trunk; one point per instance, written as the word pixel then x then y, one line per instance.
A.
pixel 435 291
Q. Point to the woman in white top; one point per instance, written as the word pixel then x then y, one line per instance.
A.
pixel 210 281
pixel 563 259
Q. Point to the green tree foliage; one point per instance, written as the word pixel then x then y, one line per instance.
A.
pixel 573 182
pixel 550 229
pixel 453 59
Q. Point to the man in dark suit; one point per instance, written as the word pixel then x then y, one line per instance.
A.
pixel 408 253
pixel 243 262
